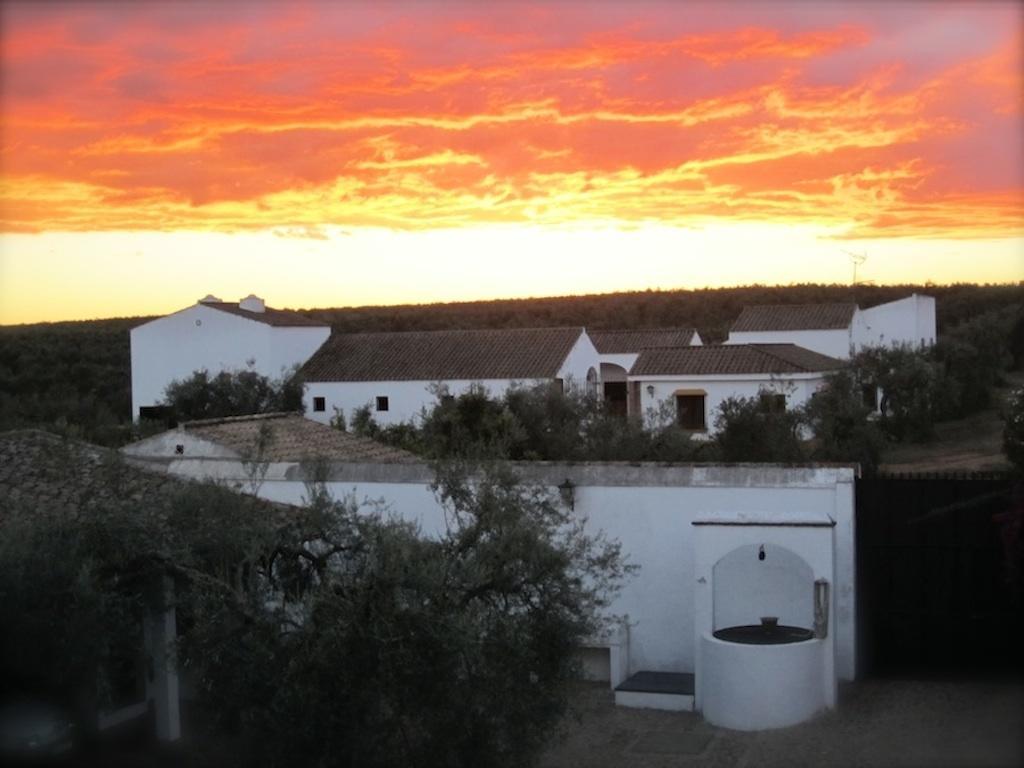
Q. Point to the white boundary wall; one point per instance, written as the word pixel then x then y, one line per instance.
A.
pixel 649 508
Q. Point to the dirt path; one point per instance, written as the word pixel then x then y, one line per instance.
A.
pixel 878 723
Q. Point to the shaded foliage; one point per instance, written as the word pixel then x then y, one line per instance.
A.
pixel 747 429
pixel 1013 430
pixel 537 423
pixel 327 635
pixel 841 422
pixel 232 393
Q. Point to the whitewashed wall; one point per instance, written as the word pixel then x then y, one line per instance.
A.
pixel 798 389
pixel 406 399
pixel 834 343
pixel 581 358
pixel 650 509
pixel 907 321
pixel 175 346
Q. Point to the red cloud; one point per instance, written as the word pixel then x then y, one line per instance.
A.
pixel 171 116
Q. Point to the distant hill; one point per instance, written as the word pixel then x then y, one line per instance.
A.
pixel 710 310
pixel 76 376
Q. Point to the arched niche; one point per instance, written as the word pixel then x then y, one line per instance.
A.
pixel 756 580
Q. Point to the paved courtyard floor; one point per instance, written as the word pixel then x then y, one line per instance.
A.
pixel 878 723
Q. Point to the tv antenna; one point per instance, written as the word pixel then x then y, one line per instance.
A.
pixel 857 259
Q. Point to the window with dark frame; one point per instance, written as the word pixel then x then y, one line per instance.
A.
pixel 319 403
pixel 690 412
pixel 382 402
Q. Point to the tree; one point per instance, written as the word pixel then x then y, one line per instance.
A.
pixel 753 429
pixel 1013 429
pixel 839 419
pixel 232 393
pixel 915 391
pixel 331 634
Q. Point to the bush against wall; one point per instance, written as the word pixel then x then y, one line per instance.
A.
pixel 750 429
pixel 232 393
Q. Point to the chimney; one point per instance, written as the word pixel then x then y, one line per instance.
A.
pixel 252 303
pixel 209 299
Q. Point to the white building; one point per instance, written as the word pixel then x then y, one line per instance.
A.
pixel 218 336
pixel 838 330
pixel 693 381
pixel 399 374
pixel 620 349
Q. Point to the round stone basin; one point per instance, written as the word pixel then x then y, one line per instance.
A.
pixel 752 685
pixel 763 634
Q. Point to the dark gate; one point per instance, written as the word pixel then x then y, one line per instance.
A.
pixel 939 579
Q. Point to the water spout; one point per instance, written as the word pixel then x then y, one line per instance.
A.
pixel 821 590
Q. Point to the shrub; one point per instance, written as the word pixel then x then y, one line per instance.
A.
pixel 1013 430
pixel 840 422
pixel 232 393
pixel 748 429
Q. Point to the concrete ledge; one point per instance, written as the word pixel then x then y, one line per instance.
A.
pixel 671 702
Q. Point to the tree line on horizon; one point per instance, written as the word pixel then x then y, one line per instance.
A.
pixel 75 377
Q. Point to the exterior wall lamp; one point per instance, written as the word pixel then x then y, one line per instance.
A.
pixel 567 492
pixel 650 390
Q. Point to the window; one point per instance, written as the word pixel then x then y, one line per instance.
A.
pixel 592 382
pixel 382 403
pixel 319 404
pixel 773 402
pixel 690 411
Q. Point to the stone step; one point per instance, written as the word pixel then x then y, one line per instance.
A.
pixel 671 691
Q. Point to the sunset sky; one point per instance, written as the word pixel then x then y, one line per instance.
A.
pixel 353 153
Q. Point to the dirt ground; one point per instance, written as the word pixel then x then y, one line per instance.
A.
pixel 878 723
pixel 971 444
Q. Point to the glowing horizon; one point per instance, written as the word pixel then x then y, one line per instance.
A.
pixel 352 154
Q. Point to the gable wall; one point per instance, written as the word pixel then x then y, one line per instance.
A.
pixel 907 321
pixel 834 343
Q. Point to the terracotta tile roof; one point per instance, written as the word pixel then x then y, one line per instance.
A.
pixel 292 437
pixel 42 470
pixel 720 359
pixel 279 318
pixel 624 342
pixel 795 317
pixel 510 353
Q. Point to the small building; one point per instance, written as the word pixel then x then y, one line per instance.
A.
pixel 693 381
pixel 203 449
pixel 397 375
pixel 838 330
pixel 217 336
pixel 620 349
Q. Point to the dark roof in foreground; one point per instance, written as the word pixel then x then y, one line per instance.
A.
pixel 292 437
pixel 795 317
pixel 723 359
pixel 279 318
pixel 40 470
pixel 625 342
pixel 508 353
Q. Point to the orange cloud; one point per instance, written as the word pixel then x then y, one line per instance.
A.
pixel 166 117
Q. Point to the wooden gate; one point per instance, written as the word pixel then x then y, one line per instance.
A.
pixel 939 561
